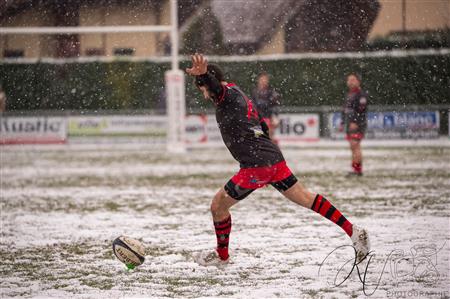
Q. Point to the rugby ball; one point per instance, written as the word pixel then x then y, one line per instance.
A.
pixel 129 251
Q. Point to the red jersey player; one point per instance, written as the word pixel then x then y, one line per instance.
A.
pixel 354 118
pixel 261 163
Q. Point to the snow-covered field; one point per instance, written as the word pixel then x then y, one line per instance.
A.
pixel 61 207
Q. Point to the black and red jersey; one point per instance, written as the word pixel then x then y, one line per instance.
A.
pixel 355 109
pixel 241 127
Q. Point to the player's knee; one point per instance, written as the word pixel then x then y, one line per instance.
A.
pixel 216 204
pixel 354 144
pixel 217 209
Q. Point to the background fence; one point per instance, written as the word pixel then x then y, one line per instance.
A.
pixel 402 78
pixel 297 125
pixel 409 95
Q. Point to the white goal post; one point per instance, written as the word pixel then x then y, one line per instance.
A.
pixel 174 78
pixel 175 92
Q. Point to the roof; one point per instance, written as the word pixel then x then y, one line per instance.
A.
pixel 253 21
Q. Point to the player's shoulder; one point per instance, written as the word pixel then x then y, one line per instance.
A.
pixel 230 92
pixel 231 89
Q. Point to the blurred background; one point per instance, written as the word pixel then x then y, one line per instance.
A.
pixel 401 49
pixel 85 147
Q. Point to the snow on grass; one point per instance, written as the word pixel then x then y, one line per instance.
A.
pixel 62 206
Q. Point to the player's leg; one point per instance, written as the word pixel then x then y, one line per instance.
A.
pixel 355 146
pixel 285 182
pixel 221 204
pixel 224 199
pixel 220 210
pixel 319 204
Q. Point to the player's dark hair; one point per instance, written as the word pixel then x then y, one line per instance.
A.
pixel 215 71
pixel 263 74
pixel 357 76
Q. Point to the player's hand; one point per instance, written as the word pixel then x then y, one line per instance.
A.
pixel 353 127
pixel 199 65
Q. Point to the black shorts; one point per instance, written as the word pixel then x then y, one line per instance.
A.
pixel 248 180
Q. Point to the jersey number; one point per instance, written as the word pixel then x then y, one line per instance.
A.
pixel 251 112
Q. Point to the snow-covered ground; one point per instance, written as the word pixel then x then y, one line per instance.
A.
pixel 61 207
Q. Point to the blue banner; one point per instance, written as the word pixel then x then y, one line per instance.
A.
pixel 393 125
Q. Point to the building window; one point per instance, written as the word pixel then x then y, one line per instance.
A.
pixel 95 52
pixel 16 53
pixel 124 51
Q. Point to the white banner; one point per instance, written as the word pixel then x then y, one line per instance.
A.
pixel 32 130
pixel 118 125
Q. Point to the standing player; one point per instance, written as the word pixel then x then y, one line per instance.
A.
pixel 355 121
pixel 261 163
pixel 267 101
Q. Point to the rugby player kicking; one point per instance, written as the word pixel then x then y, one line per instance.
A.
pixel 261 163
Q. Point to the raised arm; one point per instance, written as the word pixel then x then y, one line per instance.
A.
pixel 199 69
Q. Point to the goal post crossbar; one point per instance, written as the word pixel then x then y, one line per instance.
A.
pixel 84 29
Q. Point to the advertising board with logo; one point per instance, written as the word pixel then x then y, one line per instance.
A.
pixel 118 125
pixel 393 125
pixel 32 130
pixel 298 128
pixel 200 129
pixel 203 129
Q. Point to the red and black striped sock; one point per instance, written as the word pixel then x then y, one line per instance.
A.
pixel 322 206
pixel 223 229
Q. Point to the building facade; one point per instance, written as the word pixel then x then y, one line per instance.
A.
pixel 89 13
pixel 411 15
pixel 265 27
